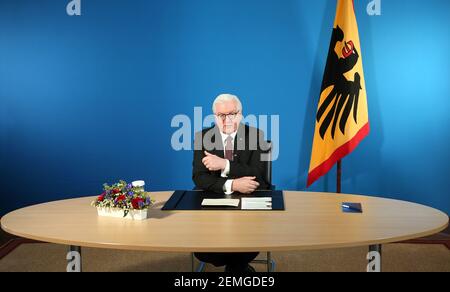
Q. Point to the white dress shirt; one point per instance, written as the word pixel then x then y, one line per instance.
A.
pixel 227 187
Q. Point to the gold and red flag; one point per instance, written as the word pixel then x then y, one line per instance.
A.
pixel 342 119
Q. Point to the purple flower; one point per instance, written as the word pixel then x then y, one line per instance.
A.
pixel 130 194
pixel 141 204
pixel 147 201
pixel 129 186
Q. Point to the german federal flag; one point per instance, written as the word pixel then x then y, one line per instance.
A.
pixel 342 119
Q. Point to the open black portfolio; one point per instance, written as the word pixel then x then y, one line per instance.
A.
pixel 203 200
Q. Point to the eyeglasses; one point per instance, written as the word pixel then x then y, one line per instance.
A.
pixel 231 116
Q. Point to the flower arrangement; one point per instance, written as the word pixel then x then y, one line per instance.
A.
pixel 125 197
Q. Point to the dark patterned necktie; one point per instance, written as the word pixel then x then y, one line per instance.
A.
pixel 229 148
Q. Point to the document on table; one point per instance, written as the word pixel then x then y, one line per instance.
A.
pixel 221 202
pixel 256 203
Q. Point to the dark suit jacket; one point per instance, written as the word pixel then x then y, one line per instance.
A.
pixel 249 144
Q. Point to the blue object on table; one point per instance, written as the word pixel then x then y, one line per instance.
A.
pixel 351 207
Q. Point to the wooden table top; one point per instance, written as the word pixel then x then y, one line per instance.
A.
pixel 310 221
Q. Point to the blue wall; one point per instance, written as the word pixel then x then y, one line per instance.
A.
pixel 87 100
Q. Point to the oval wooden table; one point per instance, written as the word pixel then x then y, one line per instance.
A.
pixel 310 221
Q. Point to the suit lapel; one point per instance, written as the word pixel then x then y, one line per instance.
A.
pixel 239 142
pixel 217 140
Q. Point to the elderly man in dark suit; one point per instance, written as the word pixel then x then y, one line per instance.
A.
pixel 229 158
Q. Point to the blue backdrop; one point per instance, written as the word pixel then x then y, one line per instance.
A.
pixel 89 99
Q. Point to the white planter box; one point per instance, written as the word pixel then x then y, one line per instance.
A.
pixel 118 213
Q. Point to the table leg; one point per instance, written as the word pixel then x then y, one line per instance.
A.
pixel 269 262
pixel 374 257
pixel 73 257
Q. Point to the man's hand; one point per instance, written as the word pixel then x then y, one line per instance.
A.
pixel 213 162
pixel 245 185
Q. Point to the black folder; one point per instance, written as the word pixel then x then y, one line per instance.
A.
pixel 192 200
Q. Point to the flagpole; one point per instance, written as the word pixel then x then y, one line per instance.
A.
pixel 339 174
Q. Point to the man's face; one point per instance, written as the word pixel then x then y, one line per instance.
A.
pixel 227 116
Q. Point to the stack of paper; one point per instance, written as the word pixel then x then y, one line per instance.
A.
pixel 256 203
pixel 221 202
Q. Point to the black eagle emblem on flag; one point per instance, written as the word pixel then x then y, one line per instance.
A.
pixel 345 93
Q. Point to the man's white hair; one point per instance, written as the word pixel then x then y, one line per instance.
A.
pixel 227 97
